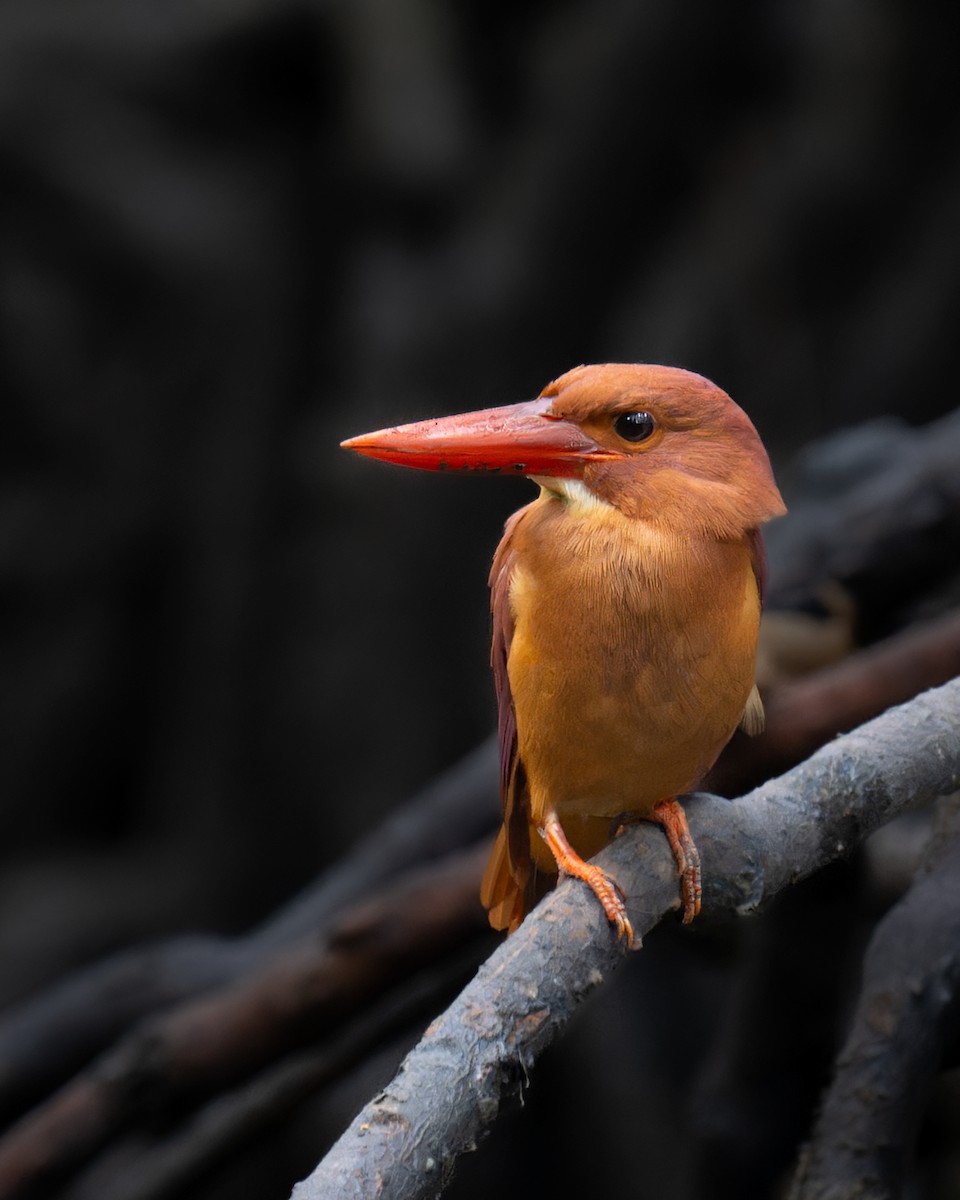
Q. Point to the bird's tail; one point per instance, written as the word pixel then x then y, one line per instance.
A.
pixel 501 892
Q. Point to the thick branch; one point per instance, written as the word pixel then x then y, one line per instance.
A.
pixel 477 1054
pixel 908 1011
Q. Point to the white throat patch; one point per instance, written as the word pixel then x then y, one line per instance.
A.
pixel 574 491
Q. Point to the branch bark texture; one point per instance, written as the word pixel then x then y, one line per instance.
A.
pixel 908 1014
pixel 479 1053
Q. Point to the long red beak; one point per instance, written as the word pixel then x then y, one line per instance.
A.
pixel 521 439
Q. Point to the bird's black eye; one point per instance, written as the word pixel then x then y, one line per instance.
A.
pixel 634 426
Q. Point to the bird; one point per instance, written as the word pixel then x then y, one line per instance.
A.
pixel 626 601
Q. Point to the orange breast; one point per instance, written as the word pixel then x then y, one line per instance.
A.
pixel 631 662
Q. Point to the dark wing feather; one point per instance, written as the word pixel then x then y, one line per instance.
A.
pixel 753 717
pixel 758 556
pixel 507 879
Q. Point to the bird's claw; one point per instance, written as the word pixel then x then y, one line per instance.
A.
pixel 671 817
pixel 608 892
pixel 604 887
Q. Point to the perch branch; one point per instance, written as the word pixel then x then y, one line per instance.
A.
pixel 479 1053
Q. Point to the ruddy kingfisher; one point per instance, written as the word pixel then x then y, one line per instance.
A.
pixel 626 605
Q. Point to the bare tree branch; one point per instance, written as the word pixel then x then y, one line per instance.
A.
pixel 907 1015
pixel 803 714
pixel 141 1168
pixel 878 510
pixel 478 1054
pixel 229 1032
pixel 44 1040
pixel 59 1031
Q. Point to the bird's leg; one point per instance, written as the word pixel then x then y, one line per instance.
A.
pixel 600 883
pixel 670 816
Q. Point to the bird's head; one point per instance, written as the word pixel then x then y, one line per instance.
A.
pixel 657 443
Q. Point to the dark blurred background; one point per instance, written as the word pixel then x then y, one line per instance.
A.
pixel 235 233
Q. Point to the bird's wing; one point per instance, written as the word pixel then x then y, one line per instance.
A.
pixel 753 715
pixel 507 878
pixel 758 559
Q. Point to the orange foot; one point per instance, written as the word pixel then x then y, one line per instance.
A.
pixel 670 815
pixel 603 886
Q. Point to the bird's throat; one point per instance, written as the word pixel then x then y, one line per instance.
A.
pixel 573 492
